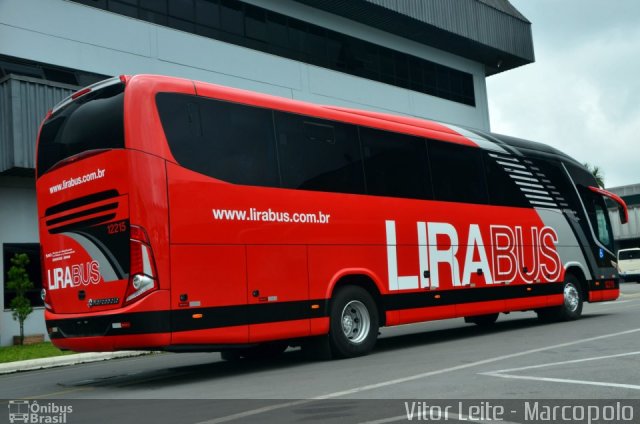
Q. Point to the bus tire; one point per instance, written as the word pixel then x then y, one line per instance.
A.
pixel 571 307
pixel 353 322
pixel 482 320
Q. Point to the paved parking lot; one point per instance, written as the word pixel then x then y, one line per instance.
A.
pixel 596 357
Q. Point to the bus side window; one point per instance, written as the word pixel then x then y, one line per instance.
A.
pixel 227 141
pixel 503 190
pixel 457 173
pixel 395 164
pixel 317 154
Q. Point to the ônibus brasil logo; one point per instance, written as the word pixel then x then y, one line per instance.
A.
pixel 24 411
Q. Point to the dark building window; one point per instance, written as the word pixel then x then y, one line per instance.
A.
pixel 250 26
pixel 33 270
pixel 15 66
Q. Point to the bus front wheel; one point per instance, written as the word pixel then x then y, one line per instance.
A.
pixel 353 322
pixel 571 308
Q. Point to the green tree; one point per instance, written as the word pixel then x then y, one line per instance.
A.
pixel 597 173
pixel 19 282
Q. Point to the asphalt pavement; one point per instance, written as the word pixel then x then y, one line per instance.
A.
pixel 596 357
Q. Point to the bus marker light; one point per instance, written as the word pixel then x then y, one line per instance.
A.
pixel 529 289
pixel 315 306
pixel 597 283
pixel 80 93
pixel 437 296
pixel 196 316
pixel 125 324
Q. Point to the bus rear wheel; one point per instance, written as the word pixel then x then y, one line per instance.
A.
pixel 571 307
pixel 353 322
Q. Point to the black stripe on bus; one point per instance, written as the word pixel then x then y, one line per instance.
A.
pixel 182 319
pixel 82 224
pixel 228 316
pixel 86 212
pixel 102 325
pixel 81 201
pixel 429 298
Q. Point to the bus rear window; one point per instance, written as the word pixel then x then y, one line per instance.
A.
pixel 94 121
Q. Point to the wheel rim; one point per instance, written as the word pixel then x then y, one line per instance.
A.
pixel 356 322
pixel 571 297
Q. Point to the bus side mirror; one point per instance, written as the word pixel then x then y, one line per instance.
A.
pixel 622 206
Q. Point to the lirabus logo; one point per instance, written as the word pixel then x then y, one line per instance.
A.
pixel 498 257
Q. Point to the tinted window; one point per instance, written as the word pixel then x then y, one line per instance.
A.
pixel 503 190
pixel 594 205
pixel 626 255
pixel 395 164
pixel 556 184
pixel 318 155
pixel 94 121
pixel 457 173
pixel 256 23
pixel 228 141
pixel 207 13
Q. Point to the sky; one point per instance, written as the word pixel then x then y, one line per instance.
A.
pixel 582 93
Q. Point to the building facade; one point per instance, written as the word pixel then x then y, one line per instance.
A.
pixel 424 58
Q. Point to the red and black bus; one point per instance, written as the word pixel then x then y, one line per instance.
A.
pixel 179 215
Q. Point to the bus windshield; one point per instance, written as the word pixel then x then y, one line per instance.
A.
pixel 92 122
pixel 595 206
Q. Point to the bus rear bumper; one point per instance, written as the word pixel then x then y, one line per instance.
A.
pixel 157 341
pixel 145 324
pixel 604 295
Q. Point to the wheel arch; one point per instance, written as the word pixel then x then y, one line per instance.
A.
pixel 363 279
pixel 577 271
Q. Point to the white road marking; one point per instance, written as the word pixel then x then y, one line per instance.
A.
pixel 443 417
pixel 568 381
pixel 573 361
pixel 412 377
pixel 504 373
pixel 611 302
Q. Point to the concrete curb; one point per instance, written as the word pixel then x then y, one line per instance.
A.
pixel 59 361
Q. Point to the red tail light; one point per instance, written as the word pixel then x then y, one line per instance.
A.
pixel 142 273
pixel 80 93
pixel 44 294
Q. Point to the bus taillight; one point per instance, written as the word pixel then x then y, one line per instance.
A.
pixel 44 294
pixel 142 275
